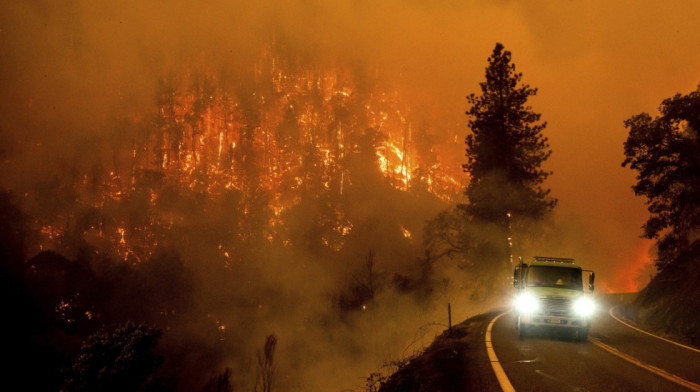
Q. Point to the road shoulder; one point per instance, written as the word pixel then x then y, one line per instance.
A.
pixel 456 363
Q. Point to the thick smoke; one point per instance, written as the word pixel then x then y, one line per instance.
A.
pixel 68 70
pixel 72 73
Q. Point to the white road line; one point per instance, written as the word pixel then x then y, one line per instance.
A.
pixel 506 386
pixel 672 377
pixel 651 334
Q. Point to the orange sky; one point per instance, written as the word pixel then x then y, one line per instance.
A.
pixel 595 63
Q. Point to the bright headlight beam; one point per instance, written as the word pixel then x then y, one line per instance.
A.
pixel 584 307
pixel 526 303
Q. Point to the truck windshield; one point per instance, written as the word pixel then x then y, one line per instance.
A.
pixel 561 277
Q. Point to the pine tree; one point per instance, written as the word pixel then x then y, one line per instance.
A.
pixel 505 152
pixel 506 148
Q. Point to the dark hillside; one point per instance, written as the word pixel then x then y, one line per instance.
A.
pixel 670 304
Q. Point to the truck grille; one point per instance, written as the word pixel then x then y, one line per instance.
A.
pixel 557 306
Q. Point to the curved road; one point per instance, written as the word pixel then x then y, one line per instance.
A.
pixel 616 357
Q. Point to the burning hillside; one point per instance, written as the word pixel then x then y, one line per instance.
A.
pixel 290 134
pixel 287 198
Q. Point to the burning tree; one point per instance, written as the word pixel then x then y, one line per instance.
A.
pixel 292 166
pixel 285 136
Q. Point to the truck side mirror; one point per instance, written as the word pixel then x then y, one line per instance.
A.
pixel 518 273
pixel 591 281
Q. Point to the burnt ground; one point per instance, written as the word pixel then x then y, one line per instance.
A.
pixel 452 363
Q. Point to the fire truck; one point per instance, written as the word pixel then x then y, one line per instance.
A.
pixel 550 293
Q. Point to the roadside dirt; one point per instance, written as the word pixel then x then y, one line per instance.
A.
pixel 455 363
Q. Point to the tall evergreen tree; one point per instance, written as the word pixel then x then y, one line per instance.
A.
pixel 505 152
pixel 506 148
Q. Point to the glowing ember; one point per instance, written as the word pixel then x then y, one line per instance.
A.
pixel 122 240
pixel 406 233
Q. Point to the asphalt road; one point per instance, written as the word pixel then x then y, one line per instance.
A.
pixel 615 358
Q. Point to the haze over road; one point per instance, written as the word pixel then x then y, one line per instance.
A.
pixel 615 358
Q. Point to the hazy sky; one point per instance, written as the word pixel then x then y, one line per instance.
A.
pixel 70 67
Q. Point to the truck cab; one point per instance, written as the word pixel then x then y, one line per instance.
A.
pixel 550 293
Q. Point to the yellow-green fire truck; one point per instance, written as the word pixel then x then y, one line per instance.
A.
pixel 550 293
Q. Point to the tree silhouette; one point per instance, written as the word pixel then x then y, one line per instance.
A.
pixel 505 152
pixel 665 151
pixel 219 383
pixel 506 149
pixel 119 360
pixel 266 368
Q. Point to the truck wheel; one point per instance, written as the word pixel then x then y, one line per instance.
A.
pixel 582 334
pixel 522 329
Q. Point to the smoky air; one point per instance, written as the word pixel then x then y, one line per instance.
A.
pixel 261 196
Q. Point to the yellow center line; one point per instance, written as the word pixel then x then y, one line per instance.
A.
pixel 672 377
pixel 506 386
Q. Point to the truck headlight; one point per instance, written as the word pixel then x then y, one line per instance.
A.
pixel 584 307
pixel 526 303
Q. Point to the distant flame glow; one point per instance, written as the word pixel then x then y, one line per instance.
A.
pixel 206 141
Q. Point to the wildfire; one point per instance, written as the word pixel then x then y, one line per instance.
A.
pixel 394 164
pixel 50 232
pixel 220 327
pixel 344 228
pixel 209 141
pixel 406 233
